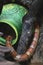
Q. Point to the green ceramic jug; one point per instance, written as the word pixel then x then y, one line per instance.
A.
pixel 11 22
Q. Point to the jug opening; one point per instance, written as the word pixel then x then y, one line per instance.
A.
pixel 7 30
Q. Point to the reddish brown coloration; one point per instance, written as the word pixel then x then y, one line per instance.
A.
pixel 9 38
pixel 30 50
pixel 34 43
pixel 8 44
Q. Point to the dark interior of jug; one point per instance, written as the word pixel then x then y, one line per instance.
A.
pixel 7 30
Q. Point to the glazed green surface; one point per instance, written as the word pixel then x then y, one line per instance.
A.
pixel 12 15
